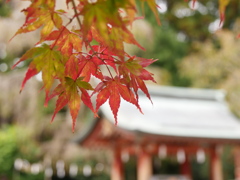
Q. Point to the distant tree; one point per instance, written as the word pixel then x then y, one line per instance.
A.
pixel 197 20
pixel 184 24
pixel 214 67
pixel 5 9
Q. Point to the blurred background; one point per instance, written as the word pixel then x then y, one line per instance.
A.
pixel 192 52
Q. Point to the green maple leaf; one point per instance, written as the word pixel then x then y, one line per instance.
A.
pixel 47 60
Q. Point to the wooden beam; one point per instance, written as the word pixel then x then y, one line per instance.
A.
pixel 117 166
pixel 216 164
pixel 144 165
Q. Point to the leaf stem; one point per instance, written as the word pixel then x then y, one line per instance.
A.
pixel 79 22
pixel 107 67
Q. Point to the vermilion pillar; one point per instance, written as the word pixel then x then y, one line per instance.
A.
pixel 185 167
pixel 215 164
pixel 144 166
pixel 117 166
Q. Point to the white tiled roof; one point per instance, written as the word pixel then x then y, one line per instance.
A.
pixel 182 112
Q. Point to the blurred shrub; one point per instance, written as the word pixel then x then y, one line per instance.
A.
pixel 15 142
pixel 5 9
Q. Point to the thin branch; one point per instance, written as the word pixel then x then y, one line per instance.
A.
pixel 76 14
pixel 87 42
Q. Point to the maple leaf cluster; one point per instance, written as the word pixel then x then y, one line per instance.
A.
pixel 66 56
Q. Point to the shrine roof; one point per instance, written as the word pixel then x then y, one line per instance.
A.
pixel 180 112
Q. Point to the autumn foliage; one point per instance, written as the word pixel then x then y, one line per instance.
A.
pixel 83 44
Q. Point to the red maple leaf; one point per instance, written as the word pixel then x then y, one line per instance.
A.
pixel 113 90
pixel 71 92
pixel 72 67
pixel 134 74
pixel 89 66
pixel 66 41
pixel 103 56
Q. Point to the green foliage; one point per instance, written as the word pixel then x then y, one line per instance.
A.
pixel 130 168
pixel 26 176
pixel 194 21
pixel 228 162
pixel 200 171
pixel 211 66
pixel 168 165
pixel 5 9
pixel 169 51
pixel 15 144
pixel 9 150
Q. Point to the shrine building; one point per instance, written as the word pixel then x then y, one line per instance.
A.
pixel 179 122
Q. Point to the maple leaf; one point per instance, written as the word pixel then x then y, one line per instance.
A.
pixel 130 9
pixel 93 14
pixel 72 67
pixel 61 101
pixel 68 94
pixel 79 65
pixel 66 41
pixel 32 71
pixel 37 17
pixel 44 59
pixel 113 90
pixel 107 26
pixel 123 33
pixel 153 6
pixel 89 66
pixel 103 56
pixel 115 40
pixel 134 74
pixel 74 99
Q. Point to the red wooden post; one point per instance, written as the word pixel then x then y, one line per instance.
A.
pixel 144 166
pixel 215 164
pixel 117 166
pixel 185 167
